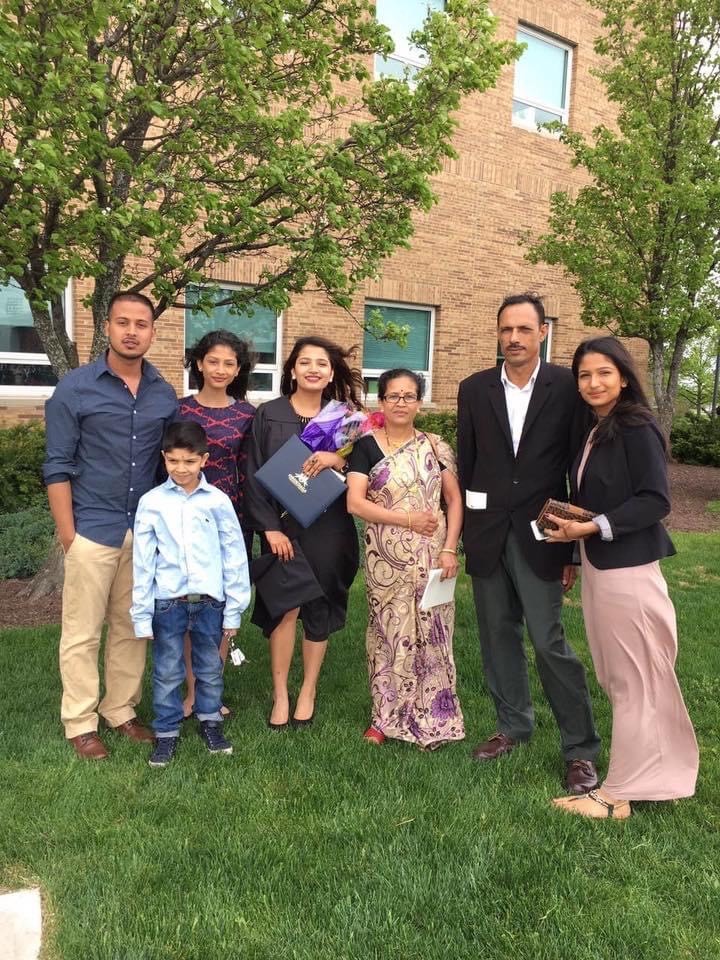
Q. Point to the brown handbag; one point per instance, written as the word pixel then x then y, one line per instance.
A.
pixel 565 511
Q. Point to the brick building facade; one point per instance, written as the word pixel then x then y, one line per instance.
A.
pixel 465 255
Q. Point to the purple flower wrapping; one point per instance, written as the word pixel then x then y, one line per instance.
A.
pixel 335 427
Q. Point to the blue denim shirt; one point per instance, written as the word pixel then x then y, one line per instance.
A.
pixel 188 543
pixel 106 442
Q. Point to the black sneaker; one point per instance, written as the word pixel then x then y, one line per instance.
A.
pixel 164 751
pixel 212 734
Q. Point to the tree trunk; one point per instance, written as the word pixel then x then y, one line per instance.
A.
pixel 50 326
pixel 106 286
pixel 663 410
pixel 49 578
pixel 665 393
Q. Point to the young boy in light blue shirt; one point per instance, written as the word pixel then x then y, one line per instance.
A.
pixel 190 574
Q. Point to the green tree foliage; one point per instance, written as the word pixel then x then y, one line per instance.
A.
pixel 697 375
pixel 696 440
pixel 641 240
pixel 25 541
pixel 194 131
pixel 444 424
pixel 22 451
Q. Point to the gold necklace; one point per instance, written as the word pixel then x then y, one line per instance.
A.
pixel 402 443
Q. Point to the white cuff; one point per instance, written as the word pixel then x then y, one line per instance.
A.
pixel 605 529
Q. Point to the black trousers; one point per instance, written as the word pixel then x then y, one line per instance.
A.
pixel 513 595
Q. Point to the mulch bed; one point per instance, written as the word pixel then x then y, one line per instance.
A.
pixel 692 488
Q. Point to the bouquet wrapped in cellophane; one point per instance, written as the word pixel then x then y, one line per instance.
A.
pixel 337 427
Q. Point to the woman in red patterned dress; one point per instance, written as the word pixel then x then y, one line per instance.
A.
pixel 220 364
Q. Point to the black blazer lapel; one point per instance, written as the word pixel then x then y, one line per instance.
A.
pixel 496 394
pixel 539 397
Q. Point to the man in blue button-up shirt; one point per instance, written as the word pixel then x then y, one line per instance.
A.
pixel 105 423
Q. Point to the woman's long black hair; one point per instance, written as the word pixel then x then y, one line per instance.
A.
pixel 347 382
pixel 242 350
pixel 632 408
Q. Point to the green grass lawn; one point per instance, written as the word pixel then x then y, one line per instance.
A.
pixel 314 845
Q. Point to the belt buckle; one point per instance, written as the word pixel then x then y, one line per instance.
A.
pixel 194 597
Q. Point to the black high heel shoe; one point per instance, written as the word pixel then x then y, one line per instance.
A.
pixel 280 726
pixel 298 724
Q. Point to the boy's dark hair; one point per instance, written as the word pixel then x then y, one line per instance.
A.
pixel 134 298
pixel 185 435
pixel 534 299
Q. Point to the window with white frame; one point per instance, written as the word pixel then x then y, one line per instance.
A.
pixel 24 366
pixel 259 325
pixel 544 346
pixel 542 80
pixel 381 355
pixel 402 17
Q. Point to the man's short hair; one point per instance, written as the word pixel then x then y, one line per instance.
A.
pixel 528 297
pixel 185 435
pixel 134 298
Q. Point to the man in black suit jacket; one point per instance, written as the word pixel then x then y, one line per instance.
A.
pixel 518 428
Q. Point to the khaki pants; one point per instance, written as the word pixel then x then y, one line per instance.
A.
pixel 98 587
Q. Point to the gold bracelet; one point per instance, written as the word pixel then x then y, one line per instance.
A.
pixel 448 550
pixel 408 516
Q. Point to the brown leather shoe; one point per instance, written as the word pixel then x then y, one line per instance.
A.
pixel 135 731
pixel 494 747
pixel 580 776
pixel 89 746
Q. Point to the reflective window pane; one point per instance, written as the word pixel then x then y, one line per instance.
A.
pixel 402 17
pixel 260 383
pixel 541 71
pixel 385 354
pixel 532 116
pixel 391 67
pixel 258 324
pixel 17 331
pixel 26 375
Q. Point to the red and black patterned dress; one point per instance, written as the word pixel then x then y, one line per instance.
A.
pixel 227 429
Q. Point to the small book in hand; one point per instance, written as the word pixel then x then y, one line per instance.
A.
pixel 565 511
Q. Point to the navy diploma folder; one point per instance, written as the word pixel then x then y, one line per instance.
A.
pixel 302 496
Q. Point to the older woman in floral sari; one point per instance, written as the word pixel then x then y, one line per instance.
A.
pixel 396 478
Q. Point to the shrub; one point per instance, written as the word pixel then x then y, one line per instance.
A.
pixel 22 451
pixel 444 424
pixel 25 539
pixel 696 440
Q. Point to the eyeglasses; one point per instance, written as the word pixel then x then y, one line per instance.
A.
pixel 397 397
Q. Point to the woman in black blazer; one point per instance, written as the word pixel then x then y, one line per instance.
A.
pixel 621 476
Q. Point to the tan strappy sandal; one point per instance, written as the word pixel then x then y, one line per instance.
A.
pixel 593 805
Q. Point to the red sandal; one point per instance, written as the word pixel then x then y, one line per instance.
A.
pixel 373 735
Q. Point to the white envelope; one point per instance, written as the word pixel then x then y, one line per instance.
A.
pixel 437 591
pixel 475 500
pixel 537 533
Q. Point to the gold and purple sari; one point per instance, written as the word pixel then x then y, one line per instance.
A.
pixel 409 651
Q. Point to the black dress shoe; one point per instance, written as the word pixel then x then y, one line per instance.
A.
pixel 277 726
pixel 297 724
pixel 580 776
pixel 280 726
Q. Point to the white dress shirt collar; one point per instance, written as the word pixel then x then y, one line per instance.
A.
pixel 517 401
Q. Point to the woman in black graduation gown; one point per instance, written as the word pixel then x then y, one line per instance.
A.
pixel 315 372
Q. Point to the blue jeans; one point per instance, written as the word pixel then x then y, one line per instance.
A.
pixel 171 621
